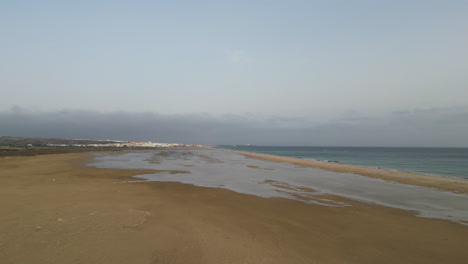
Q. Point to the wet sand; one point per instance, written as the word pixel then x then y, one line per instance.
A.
pixel 267 179
pixel 438 182
pixel 55 210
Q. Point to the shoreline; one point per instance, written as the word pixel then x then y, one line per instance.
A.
pixel 455 185
pixel 266 179
pixel 60 211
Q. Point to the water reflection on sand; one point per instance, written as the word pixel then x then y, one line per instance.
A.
pixel 222 169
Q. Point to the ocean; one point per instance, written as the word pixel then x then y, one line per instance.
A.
pixel 448 162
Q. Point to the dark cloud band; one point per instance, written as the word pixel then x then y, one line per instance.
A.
pixel 444 127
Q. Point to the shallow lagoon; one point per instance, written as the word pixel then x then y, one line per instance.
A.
pixel 222 169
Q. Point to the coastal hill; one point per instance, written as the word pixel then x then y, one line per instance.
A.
pixel 24 141
pixel 21 146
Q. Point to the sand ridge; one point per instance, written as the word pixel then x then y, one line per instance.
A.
pixel 442 183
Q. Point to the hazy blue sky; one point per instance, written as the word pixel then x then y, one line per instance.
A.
pixel 319 63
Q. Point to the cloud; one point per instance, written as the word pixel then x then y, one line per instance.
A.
pixel 441 127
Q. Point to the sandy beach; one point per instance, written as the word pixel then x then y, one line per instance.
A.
pixel 442 183
pixel 57 210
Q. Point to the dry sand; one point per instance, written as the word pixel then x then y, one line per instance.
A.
pixel 55 210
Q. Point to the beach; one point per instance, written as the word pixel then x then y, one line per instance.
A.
pixel 431 181
pixel 56 209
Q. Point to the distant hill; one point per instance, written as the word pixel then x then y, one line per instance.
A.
pixel 21 141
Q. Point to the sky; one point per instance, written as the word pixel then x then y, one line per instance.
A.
pixel 323 73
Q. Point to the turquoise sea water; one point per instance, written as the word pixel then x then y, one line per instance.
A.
pixel 449 162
